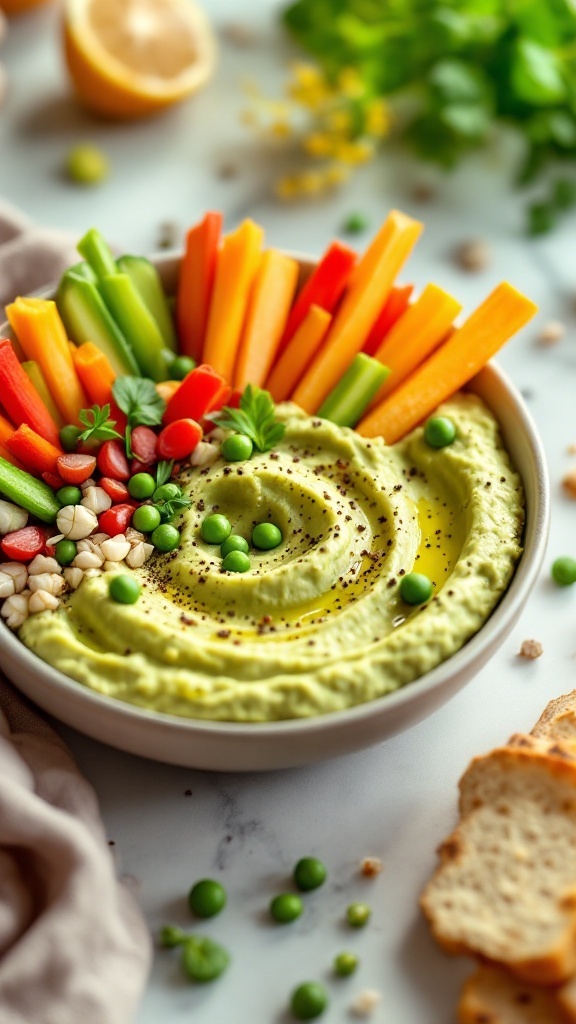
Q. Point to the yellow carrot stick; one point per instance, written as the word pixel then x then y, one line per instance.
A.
pixel 42 335
pixel 298 354
pixel 268 309
pixel 95 372
pixel 415 335
pixel 452 365
pixel 370 284
pixel 236 268
pixel 37 378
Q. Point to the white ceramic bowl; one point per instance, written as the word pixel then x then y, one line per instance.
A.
pixel 226 746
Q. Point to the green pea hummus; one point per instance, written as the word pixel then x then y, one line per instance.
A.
pixel 318 623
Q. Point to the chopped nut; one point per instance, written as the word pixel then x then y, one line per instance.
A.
pixel 73 576
pixel 76 522
pixel 87 560
pixel 423 192
pixel 365 1002
pixel 552 332
pixel 134 536
pixel 87 484
pixel 97 539
pixel 89 544
pixel 139 554
pixel 15 609
pixel 531 649
pixel 18 573
pixel 168 235
pixel 96 499
pixel 204 454
pixel 51 582
pixel 42 601
pixel 56 539
pixel 40 564
pixel 115 549
pixel 569 483
pixel 371 866
pixel 474 255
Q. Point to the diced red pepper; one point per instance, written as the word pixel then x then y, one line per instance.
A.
pixel 75 468
pixel 23 545
pixel 179 439
pixel 143 444
pixel 117 519
pixel 196 395
pixel 115 489
pixel 112 460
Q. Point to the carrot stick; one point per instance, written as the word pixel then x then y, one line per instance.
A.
pixel 465 352
pixel 420 330
pixel 298 354
pixel 42 335
pixel 95 372
pixel 236 268
pixel 5 454
pixel 6 429
pixel 36 454
pixel 19 397
pixel 196 282
pixel 369 286
pixel 268 308
pixel 323 288
pixel 395 305
pixel 37 378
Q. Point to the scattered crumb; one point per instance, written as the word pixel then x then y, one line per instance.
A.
pixel 423 192
pixel 187 792
pixel 552 332
pixel 474 255
pixel 111 842
pixel 531 649
pixel 228 171
pixel 569 483
pixel 571 449
pixel 527 393
pixel 168 235
pixel 371 866
pixel 365 1002
pixel 238 34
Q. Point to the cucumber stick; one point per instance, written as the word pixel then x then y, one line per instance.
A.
pixel 87 318
pixel 146 280
pixel 348 401
pixel 137 324
pixel 26 491
pixel 97 253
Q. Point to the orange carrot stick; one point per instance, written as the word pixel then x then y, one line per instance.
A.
pixel 465 352
pixel 41 333
pixel 370 283
pixel 195 284
pixel 236 268
pixel 95 372
pixel 395 305
pixel 266 316
pixel 6 429
pixel 298 354
pixel 37 455
pixel 5 454
pixel 415 335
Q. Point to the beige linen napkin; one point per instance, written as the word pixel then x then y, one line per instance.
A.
pixel 74 948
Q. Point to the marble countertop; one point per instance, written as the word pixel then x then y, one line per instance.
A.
pixel 171 826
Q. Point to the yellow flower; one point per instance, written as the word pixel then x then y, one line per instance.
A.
pixel 280 129
pixel 350 83
pixel 339 122
pixel 336 174
pixel 377 118
pixel 309 87
pixel 354 152
pixel 286 188
pixel 318 144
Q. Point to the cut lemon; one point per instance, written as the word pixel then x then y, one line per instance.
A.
pixel 130 58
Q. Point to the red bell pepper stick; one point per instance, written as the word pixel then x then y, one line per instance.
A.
pixel 197 272
pixel 36 454
pixel 20 398
pixel 323 288
pixel 395 305
pixel 197 394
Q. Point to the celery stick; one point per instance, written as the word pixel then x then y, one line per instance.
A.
pixel 97 253
pixel 26 491
pixel 87 318
pixel 37 378
pixel 146 280
pixel 139 327
pixel 347 402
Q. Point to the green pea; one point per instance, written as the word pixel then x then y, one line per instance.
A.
pixel 124 589
pixel 203 959
pixel 236 561
pixel 69 437
pixel 439 432
pixel 237 448
pixel 309 1000
pixel 234 543
pixel 345 964
pixel 309 873
pixel 564 571
pixel 207 898
pixel 355 223
pixel 166 492
pixel 165 537
pixel 286 907
pixel 180 367
pixel 65 552
pixel 69 495
pixel 171 936
pixel 358 914
pixel 266 536
pixel 142 486
pixel 215 529
pixel 415 588
pixel 87 165
pixel 146 518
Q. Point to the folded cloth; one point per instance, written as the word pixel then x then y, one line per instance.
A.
pixel 30 256
pixel 74 948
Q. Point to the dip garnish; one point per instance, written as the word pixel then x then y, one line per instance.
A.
pixel 256 418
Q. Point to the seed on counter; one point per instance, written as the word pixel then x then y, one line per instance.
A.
pixel 345 964
pixel 168 236
pixel 474 255
pixel 569 483
pixel 309 1000
pixel 371 866
pixel 564 571
pixel 365 1003
pixel 286 907
pixel 358 914
pixel 87 165
pixel 552 332
pixel 309 873
pixel 531 649
pixel 207 898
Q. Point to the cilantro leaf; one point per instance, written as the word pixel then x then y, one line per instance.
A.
pixel 168 509
pixel 99 427
pixel 164 472
pixel 138 399
pixel 256 418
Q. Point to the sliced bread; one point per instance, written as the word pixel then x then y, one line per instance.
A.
pixel 558 720
pixel 506 886
pixel 494 996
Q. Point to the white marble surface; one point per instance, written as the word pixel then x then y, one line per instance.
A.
pixel 171 826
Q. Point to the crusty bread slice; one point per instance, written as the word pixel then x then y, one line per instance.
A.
pixel 506 886
pixel 558 720
pixel 567 999
pixel 494 996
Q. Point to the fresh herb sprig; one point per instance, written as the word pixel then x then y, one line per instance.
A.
pixel 168 509
pixel 138 399
pixel 256 417
pixel 99 426
pixel 164 471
